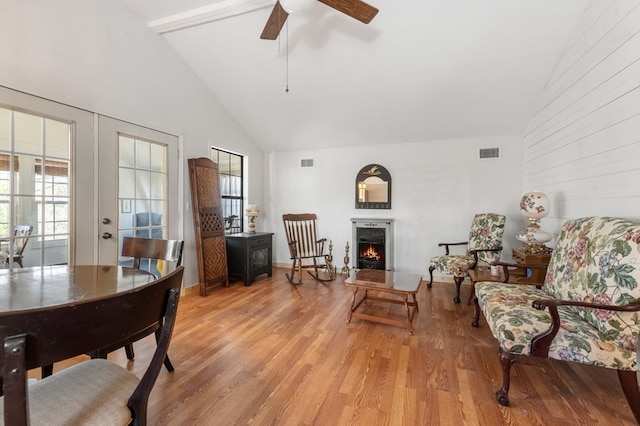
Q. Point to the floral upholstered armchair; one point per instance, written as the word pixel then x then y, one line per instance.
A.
pixel 587 311
pixel 483 247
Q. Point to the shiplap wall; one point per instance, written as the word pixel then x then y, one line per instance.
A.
pixel 582 146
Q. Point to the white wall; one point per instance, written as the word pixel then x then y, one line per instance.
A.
pixel 582 147
pixel 99 56
pixel 437 187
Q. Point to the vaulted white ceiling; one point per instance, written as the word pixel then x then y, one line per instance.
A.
pixel 421 70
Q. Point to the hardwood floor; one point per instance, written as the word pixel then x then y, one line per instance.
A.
pixel 278 354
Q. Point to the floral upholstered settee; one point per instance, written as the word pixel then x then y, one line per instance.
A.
pixel 483 247
pixel 587 311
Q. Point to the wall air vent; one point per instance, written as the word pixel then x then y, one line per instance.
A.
pixel 306 162
pixel 485 153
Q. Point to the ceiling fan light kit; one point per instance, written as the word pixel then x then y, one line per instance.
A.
pixel 297 7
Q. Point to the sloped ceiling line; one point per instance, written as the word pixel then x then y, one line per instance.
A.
pixel 205 14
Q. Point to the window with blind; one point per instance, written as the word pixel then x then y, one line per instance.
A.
pixel 230 168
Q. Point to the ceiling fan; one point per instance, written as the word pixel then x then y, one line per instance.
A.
pixel 357 9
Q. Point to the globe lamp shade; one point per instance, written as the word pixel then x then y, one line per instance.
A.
pixel 534 205
pixel 297 7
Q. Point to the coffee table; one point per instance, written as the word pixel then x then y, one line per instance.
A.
pixel 398 284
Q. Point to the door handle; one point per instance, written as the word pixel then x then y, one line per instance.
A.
pixel 106 235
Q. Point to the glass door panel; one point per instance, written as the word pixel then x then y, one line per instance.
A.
pixel 35 192
pixel 142 199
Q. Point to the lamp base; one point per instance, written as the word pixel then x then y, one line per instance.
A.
pixel 537 249
pixel 533 235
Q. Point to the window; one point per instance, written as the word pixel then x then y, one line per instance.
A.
pixel 231 175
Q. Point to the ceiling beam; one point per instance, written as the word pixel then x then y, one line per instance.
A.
pixel 202 15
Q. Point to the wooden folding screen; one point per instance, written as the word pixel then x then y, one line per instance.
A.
pixel 208 224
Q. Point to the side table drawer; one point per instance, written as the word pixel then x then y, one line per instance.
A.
pixel 521 257
pixel 260 242
pixel 518 256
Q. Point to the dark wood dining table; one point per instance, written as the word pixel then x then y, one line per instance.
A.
pixel 50 286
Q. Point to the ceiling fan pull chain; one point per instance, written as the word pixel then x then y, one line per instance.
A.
pixel 287 55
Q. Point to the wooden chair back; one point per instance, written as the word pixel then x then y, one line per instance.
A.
pixel 152 248
pixel 21 234
pixel 304 245
pixel 302 236
pixel 33 338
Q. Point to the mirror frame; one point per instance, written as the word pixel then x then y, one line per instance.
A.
pixel 373 170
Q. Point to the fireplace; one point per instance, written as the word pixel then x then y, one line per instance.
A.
pixel 372 244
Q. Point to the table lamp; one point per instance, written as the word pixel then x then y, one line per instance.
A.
pixel 252 212
pixel 534 206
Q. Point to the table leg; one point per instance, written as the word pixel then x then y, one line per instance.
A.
pixel 355 305
pixel 405 299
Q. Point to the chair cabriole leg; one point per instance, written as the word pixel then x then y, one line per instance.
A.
pixel 458 281
pixel 506 359
pixel 476 312
pixel 431 268
pixel 629 384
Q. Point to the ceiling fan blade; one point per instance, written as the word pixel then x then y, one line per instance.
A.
pixel 275 23
pixel 357 9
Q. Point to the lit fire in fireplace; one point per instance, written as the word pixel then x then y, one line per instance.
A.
pixel 370 254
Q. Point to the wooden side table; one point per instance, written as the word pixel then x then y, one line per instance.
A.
pixel 537 275
pixel 249 255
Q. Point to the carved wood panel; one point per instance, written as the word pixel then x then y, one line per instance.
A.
pixel 208 224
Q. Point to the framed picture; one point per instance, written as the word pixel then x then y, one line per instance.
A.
pixel 125 206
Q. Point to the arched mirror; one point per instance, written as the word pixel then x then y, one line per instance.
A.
pixel 373 188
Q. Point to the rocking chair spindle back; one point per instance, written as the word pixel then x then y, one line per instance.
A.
pixel 304 244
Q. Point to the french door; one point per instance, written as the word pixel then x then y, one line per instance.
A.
pixel 138 185
pixel 46 181
pixel 82 182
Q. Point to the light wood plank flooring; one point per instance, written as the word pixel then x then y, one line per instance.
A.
pixel 277 354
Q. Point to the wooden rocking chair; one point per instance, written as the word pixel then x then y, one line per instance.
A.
pixel 304 244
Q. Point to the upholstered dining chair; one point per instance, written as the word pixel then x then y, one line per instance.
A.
pixel 152 249
pixel 92 392
pixel 158 250
pixel 483 247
